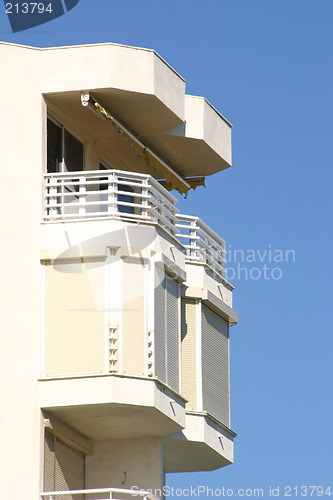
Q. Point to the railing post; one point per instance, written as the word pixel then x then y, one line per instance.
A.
pixel 193 238
pixel 144 201
pixel 112 197
pixel 82 197
pixel 62 197
pixel 52 190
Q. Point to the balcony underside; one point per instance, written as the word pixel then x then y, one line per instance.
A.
pixel 204 444
pixel 113 407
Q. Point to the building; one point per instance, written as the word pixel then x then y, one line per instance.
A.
pixel 115 312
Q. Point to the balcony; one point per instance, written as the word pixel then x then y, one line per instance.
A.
pixel 128 196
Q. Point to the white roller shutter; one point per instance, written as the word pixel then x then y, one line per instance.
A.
pixel 167 333
pixel 215 365
pixel 189 352
pixel 159 327
pixel 133 318
pixel 74 317
pixel 172 332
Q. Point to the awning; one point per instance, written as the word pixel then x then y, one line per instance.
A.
pixel 194 182
pixel 160 168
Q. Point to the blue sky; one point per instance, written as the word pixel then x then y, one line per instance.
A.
pixel 267 66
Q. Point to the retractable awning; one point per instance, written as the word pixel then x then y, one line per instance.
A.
pixel 172 179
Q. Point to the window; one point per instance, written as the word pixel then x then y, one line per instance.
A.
pixel 65 153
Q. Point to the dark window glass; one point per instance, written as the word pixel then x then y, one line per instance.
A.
pixel 54 147
pixel 73 153
pixel 126 198
pixel 121 197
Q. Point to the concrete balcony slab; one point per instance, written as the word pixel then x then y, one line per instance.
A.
pixel 204 444
pixel 113 407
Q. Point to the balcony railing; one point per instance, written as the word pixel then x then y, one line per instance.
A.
pixel 109 194
pixel 201 243
pixel 102 494
pixel 130 196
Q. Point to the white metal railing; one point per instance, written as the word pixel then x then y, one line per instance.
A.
pixel 131 196
pixel 107 493
pixel 108 193
pixel 201 243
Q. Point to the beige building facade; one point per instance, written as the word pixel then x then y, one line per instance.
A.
pixel 115 312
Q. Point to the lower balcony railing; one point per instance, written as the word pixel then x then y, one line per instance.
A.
pixel 98 494
pixel 201 243
pixel 130 196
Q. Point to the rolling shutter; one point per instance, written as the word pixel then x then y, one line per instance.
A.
pixel 166 343
pixel 188 350
pixel 64 467
pixel 69 470
pixel 74 317
pixel 133 318
pixel 215 365
pixel 172 332
pixel 48 462
pixel 159 328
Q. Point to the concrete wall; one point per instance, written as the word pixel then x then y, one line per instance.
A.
pixel 21 159
pixel 126 464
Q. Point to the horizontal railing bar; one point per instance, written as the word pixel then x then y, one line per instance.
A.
pixel 94 182
pixel 97 202
pixel 187 236
pixel 110 215
pixel 101 173
pixel 78 194
pixel 120 491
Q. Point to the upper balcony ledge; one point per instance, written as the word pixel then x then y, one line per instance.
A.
pixel 131 197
